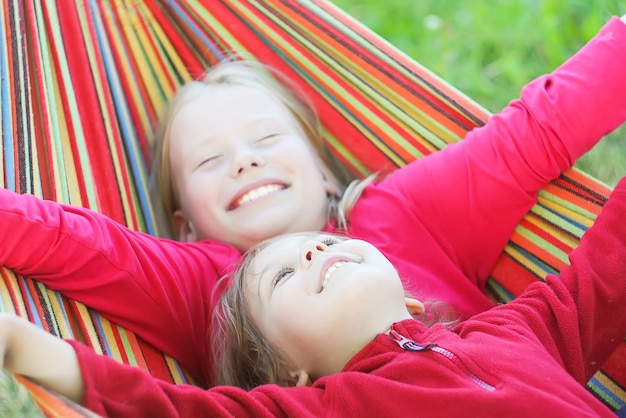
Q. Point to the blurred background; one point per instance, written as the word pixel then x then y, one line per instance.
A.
pixel 489 49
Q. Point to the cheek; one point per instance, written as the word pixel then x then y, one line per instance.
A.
pixel 200 202
pixel 287 317
pixel 299 153
pixel 203 187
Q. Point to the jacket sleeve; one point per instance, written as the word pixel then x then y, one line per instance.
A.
pixel 159 289
pixel 114 389
pixel 579 317
pixel 472 194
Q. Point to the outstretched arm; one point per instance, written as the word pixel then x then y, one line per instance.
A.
pixel 160 289
pixel 29 351
pixel 109 388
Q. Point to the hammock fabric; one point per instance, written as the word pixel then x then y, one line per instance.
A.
pixel 84 80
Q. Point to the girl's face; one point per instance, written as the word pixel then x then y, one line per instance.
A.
pixel 244 169
pixel 320 299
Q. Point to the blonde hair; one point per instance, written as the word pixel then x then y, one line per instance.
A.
pixel 244 357
pixel 239 73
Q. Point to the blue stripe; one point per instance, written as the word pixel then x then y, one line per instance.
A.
pixel 196 30
pixel 135 159
pixel 7 119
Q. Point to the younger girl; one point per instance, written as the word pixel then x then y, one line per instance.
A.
pixel 237 166
pixel 329 318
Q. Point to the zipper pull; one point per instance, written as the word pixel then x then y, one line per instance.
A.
pixel 407 343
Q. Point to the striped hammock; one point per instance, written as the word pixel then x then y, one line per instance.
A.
pixel 82 83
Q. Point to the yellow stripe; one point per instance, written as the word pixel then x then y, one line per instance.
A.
pixel 541 243
pixel 10 286
pixel 47 91
pixel 202 12
pixel 556 220
pixel 91 338
pixel 378 91
pixel 74 116
pixel 332 90
pixel 552 231
pixel 612 387
pixel 524 261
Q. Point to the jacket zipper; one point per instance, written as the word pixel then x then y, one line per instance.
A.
pixel 410 345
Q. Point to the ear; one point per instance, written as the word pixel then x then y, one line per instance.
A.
pixel 183 227
pixel 330 181
pixel 414 306
pixel 301 378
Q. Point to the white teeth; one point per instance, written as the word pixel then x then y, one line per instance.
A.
pixel 330 271
pixel 259 192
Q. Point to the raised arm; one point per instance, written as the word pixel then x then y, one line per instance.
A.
pixel 596 281
pixel 472 194
pixel 159 289
pixel 579 317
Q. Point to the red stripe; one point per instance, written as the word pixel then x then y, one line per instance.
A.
pixel 575 194
pixel 128 71
pixel 436 108
pixel 545 234
pixel 465 111
pixel 115 145
pixel 14 84
pixel 512 276
pixel 182 40
pixel 365 151
pixel 16 299
pixel 40 107
pixel 543 255
pixel 615 366
pixel 60 83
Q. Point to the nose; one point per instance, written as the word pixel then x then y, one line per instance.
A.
pixel 245 160
pixel 309 250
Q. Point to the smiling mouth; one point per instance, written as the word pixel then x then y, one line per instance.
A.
pixel 330 271
pixel 255 194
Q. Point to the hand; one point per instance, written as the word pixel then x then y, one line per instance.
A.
pixel 28 350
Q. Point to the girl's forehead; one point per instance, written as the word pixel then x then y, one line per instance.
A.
pixel 230 106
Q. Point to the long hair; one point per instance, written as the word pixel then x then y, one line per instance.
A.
pixel 244 357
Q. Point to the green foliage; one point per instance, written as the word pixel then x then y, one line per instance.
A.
pixel 489 49
pixel 15 401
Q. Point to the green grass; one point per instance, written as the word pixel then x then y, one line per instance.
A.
pixel 15 401
pixel 489 49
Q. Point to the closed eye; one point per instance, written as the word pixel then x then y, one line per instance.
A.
pixel 267 137
pixel 208 161
pixel 283 273
pixel 330 241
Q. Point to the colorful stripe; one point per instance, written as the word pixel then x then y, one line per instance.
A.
pixel 83 84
